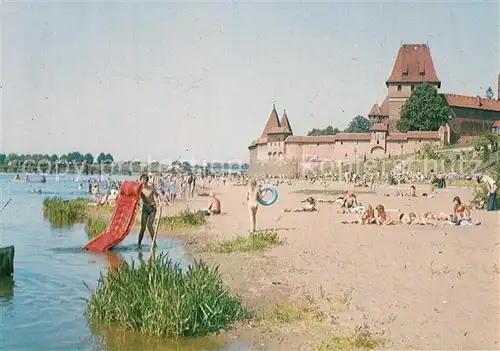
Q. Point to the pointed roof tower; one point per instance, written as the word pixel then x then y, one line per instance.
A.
pixel 285 123
pixel 272 122
pixel 414 65
pixel 375 111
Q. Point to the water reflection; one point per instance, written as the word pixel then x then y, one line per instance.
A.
pixel 6 290
pixel 118 338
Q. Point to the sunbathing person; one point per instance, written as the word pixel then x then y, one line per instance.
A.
pixel 408 218
pixel 368 216
pixel 308 205
pixel 349 201
pixel 459 210
pixel 383 217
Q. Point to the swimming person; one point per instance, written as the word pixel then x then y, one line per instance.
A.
pixel 253 195
pixel 148 195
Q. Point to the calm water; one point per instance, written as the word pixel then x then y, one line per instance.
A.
pixel 42 308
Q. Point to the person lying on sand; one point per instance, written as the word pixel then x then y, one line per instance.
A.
pixel 382 217
pixel 411 193
pixel 368 216
pixel 308 205
pixel 411 218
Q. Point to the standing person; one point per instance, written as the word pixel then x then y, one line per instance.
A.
pixel 148 195
pixel 253 194
pixel 492 192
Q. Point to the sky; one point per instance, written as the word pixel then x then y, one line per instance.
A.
pixel 197 81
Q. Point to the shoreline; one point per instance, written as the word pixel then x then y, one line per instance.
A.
pixel 374 275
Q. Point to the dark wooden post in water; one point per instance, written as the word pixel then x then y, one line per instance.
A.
pixel 6 261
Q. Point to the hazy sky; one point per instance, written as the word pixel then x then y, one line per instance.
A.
pixel 198 80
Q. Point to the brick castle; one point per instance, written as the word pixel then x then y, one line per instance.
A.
pixel 278 151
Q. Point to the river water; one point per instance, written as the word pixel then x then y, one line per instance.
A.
pixel 41 308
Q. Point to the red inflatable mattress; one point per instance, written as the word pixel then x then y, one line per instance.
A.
pixel 122 219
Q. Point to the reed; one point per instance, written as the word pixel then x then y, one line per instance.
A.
pixel 64 212
pixel 157 298
pixel 95 226
pixel 255 242
pixel 184 219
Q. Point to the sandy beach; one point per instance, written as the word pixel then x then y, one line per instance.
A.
pixel 418 286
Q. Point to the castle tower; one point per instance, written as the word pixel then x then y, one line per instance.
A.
pixel 285 123
pixel 272 123
pixel 413 66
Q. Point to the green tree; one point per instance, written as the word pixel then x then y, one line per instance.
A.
pixel 327 131
pixel 359 124
pixel 108 158
pixel 88 158
pixel 424 110
pixel 53 158
pixel 101 158
pixel 489 93
pixel 2 159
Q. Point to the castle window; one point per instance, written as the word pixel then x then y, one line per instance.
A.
pixel 399 87
pixel 317 144
pixel 341 143
pixel 378 142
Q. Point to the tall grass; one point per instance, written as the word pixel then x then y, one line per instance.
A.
pixel 95 226
pixel 64 212
pixel 255 242
pixel 184 219
pixel 157 298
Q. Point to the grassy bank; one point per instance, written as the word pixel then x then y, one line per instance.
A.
pixel 157 298
pixel 182 221
pixel 255 242
pixel 95 226
pixel 64 212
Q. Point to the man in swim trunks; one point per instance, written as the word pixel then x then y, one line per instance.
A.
pixel 492 191
pixel 213 204
pixel 148 195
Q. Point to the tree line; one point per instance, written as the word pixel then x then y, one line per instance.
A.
pixel 359 124
pixel 425 110
pixel 72 157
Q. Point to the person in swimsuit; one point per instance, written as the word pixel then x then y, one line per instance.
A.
pixel 349 201
pixel 213 204
pixel 148 195
pixel 383 217
pixel 459 210
pixel 253 195
pixel 368 216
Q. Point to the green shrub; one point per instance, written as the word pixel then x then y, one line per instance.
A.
pixel 254 242
pixel 183 219
pixel 157 298
pixel 95 226
pixel 64 212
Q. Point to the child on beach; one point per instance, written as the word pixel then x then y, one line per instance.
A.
pixel 459 210
pixel 253 194
pixel 383 217
pixel 368 216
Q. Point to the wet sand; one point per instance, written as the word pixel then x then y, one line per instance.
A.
pixel 423 287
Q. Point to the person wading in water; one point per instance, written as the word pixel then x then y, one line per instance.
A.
pixel 148 195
